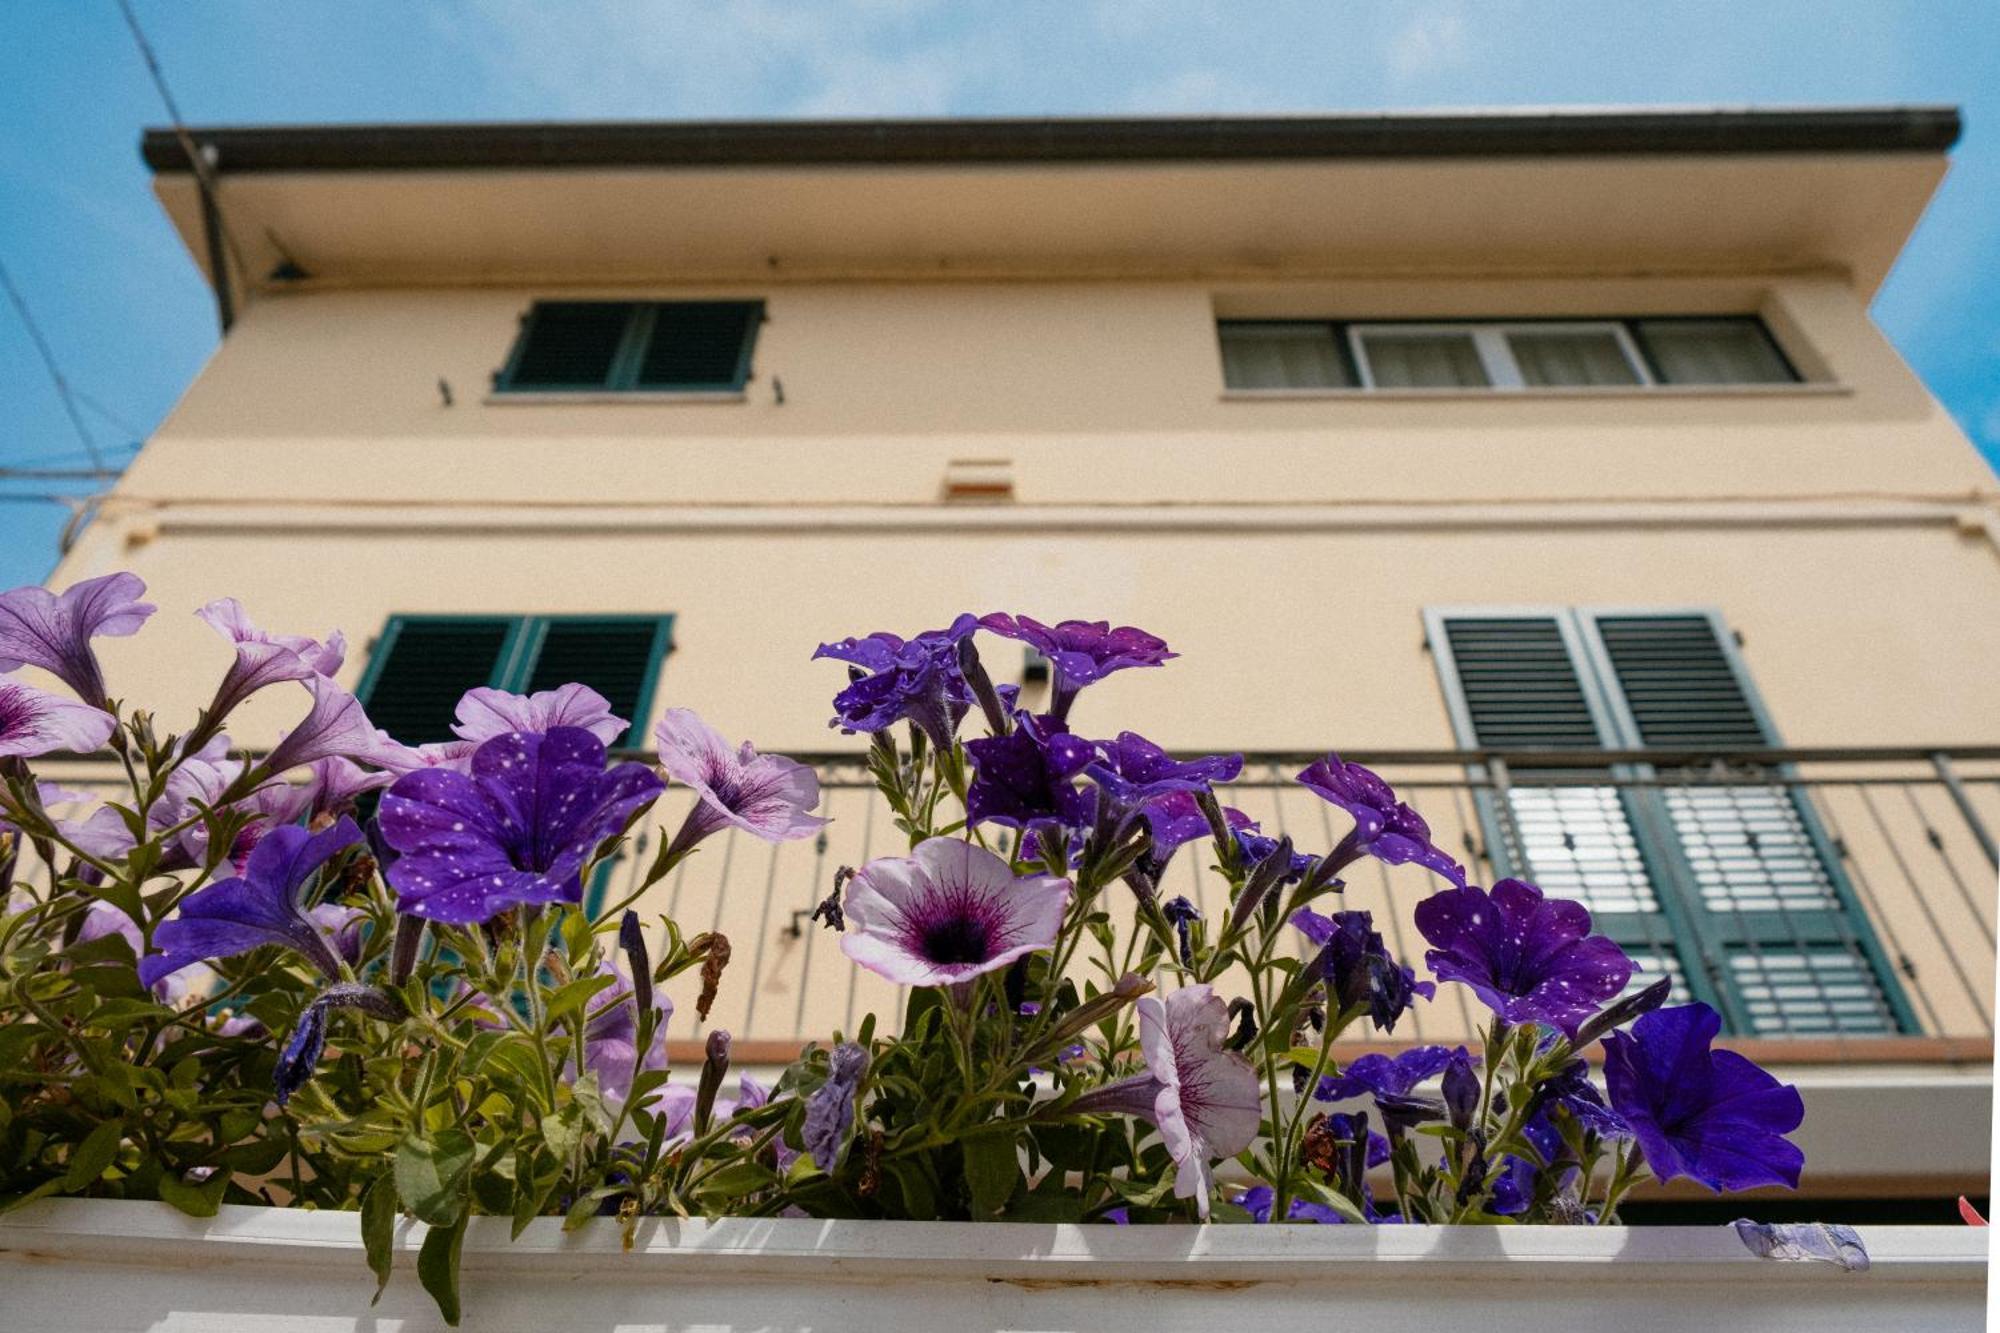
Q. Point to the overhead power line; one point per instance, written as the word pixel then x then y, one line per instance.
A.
pixel 48 356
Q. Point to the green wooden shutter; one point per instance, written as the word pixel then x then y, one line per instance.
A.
pixel 423 664
pixel 1755 873
pixel 572 345
pixel 1516 680
pixel 699 345
pixel 618 656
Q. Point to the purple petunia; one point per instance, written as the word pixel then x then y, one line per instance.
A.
pixel 485 713
pixel 1134 770
pixel 1203 1097
pixel 39 628
pixel 1530 959
pixel 915 680
pixel 264 658
pixel 765 795
pixel 947 913
pixel 264 906
pixel 35 722
pixel 1258 1200
pixel 1392 1081
pixel 518 829
pixel 1356 966
pixel 829 1118
pixel 1081 651
pixel 1027 779
pixel 1709 1115
pixel 1384 827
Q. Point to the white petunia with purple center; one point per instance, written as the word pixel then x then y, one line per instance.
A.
pixel 947 913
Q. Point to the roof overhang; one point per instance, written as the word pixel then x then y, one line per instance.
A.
pixel 1623 192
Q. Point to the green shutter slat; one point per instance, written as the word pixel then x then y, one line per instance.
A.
pixel 414 691
pixel 1520 688
pixel 613 657
pixel 1678 682
pixel 697 345
pixel 570 345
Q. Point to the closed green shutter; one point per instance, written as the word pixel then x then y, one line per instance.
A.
pixel 699 345
pixel 622 346
pixel 569 345
pixel 421 667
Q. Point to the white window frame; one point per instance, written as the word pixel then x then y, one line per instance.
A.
pixel 1496 358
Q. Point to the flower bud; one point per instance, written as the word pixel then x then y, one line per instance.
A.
pixel 633 941
pixel 1461 1090
pixel 1624 1011
pixel 981 684
pixel 713 1067
pixel 403 948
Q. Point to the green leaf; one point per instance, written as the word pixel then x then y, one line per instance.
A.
pixel 563 1131
pixel 430 1176
pixel 577 993
pixel 195 1200
pixel 992 1168
pixel 92 1157
pixel 9 1202
pixel 378 1229
pixel 437 1265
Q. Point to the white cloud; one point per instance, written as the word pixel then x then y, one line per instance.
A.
pixel 1433 41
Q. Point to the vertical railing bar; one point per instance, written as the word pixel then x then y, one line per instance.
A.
pixel 1979 1000
pixel 1948 775
pixel 763 934
pixel 854 973
pixel 1950 866
pixel 810 929
pixel 1795 793
pixel 1872 904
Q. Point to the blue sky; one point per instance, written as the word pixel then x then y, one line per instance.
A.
pixel 131 322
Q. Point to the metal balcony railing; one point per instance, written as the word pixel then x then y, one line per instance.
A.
pixel 1835 903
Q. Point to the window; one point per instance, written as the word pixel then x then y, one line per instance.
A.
pixel 1732 890
pixel 633 347
pixel 1509 356
pixel 422 664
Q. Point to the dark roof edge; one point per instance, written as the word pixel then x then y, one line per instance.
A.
pixel 499 145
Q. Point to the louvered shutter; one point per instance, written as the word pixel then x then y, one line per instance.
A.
pixel 569 345
pixel 1520 682
pixel 698 345
pixel 1755 872
pixel 615 656
pixel 421 668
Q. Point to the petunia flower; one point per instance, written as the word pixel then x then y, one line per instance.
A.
pixel 1134 770
pixel 1026 779
pixel 102 832
pixel 200 782
pixel 1258 1200
pixel 485 713
pixel 1201 1096
pixel 518 829
pixel 176 990
pixel 336 725
pixel 264 906
pixel 334 785
pixel 39 628
pixel 916 680
pixel 765 795
pixel 611 1037
pixel 1392 1082
pixel 264 658
pixel 1384 827
pixel 829 1118
pixel 35 722
pixel 947 913
pixel 1081 651
pixel 1529 959
pixel 1357 968
pixel 1709 1115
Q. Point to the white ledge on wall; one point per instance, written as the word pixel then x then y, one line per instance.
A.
pixel 108 1267
pixel 1622 392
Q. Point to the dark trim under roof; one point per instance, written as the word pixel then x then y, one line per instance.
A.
pixel 1904 129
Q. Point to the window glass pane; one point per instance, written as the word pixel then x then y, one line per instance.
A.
pixel 1570 358
pixel 415 691
pixel 1424 361
pixel 1283 356
pixel 696 345
pixel 570 345
pixel 1713 351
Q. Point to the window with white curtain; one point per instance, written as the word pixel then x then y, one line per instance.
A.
pixel 1505 356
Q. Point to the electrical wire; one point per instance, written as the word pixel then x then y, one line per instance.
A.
pixel 48 356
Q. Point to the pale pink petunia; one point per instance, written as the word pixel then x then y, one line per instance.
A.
pixel 766 795
pixel 35 722
pixel 485 713
pixel 53 631
pixel 265 658
pixel 947 913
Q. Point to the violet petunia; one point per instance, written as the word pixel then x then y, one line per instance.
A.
pixel 947 913
pixel 518 829
pixel 485 713
pixel 1709 1115
pixel 1384 827
pixel 1134 770
pixel 335 725
pixel 829 1118
pixel 175 990
pixel 1258 1200
pixel 334 786
pixel 1081 651
pixel 1392 1081
pixel 200 782
pixel 102 832
pixel 264 658
pixel 1357 967
pixel 915 680
pixel 1530 959
pixel 1026 779
pixel 43 629
pixel 766 795
pixel 35 722
pixel 266 905
pixel 1203 1097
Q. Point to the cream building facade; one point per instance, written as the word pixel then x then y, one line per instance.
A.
pixel 1550 461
